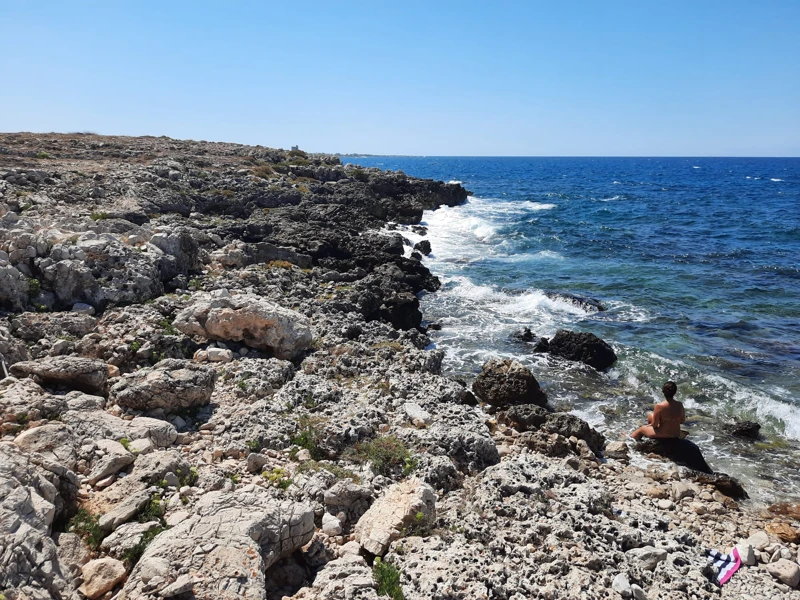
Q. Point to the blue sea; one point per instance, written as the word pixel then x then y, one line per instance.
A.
pixel 697 261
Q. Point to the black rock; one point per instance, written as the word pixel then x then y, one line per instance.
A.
pixel 730 486
pixel 423 246
pixel 526 336
pixel 525 416
pixel 569 425
pixel 523 335
pixel 584 347
pixel 506 383
pixel 584 302
pixel 743 429
pixel 680 451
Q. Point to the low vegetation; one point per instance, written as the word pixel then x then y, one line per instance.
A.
pixel 387 454
pixel 388 579
pixel 86 525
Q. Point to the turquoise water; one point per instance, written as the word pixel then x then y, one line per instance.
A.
pixel 696 259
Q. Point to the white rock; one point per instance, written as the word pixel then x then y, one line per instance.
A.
pixel 759 539
pixel 785 571
pixel 331 525
pixel 647 557
pixel 638 593
pixel 746 553
pixel 100 576
pixel 621 585
pixel 219 355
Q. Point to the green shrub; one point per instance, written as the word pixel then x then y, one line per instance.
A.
pixel 152 511
pixel 132 555
pixel 86 525
pixel 98 216
pixel 43 155
pixel 309 435
pixel 278 477
pixel 388 579
pixel 188 478
pixel 168 327
pixel 312 466
pixel 253 445
pixel 126 443
pixel 386 453
pixel 34 287
pixel 194 284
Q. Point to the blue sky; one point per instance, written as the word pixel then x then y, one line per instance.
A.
pixel 449 78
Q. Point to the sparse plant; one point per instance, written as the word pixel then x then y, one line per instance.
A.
pixel 195 285
pixel 126 443
pixel 132 555
pixel 388 579
pixel 278 477
pixel 43 155
pixel 167 326
pixel 188 478
pixel 234 477
pixel 98 216
pixel 134 347
pixel 280 264
pixel 312 466
pixel 254 445
pixel 153 510
pixel 387 454
pixel 309 435
pixel 34 287
pixel 86 525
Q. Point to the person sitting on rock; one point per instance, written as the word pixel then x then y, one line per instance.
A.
pixel 666 418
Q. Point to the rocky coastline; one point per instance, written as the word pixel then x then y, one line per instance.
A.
pixel 217 383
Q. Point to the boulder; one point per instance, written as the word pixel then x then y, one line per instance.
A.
pixel 743 429
pixel 646 557
pixel 785 532
pixel 584 347
pixel 172 384
pixel 525 416
pixel 100 576
pixel 74 372
pixel 32 327
pixel 423 247
pixel 114 458
pixel 569 426
pixel 405 505
pixel 785 571
pixel 348 577
pixel 507 382
pixel 680 451
pixel 53 441
pixel 617 450
pixel 231 539
pixel 249 319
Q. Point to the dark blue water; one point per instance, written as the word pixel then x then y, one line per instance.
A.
pixel 696 259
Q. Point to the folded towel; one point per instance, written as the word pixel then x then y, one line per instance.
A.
pixel 725 565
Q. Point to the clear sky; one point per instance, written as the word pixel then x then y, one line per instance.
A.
pixel 557 77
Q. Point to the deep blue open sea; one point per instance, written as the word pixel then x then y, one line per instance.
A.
pixel 696 259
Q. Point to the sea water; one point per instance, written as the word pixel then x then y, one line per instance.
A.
pixel 697 261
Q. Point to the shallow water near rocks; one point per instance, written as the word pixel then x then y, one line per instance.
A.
pixel 695 259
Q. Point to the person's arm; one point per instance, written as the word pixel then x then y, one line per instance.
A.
pixel 683 414
pixel 656 418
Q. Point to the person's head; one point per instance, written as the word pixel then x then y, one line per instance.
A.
pixel 669 389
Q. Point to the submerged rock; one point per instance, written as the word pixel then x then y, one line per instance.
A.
pixel 584 347
pixel 585 302
pixel 743 429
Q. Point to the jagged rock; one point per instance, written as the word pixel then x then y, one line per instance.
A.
pixel 785 532
pixel 569 425
pixel 407 504
pixel 508 382
pixel 30 498
pixel 348 578
pixel 24 398
pixel 231 539
pixel 549 444
pixel 585 302
pixel 617 450
pixel 32 327
pixel 524 416
pixel 124 510
pixel 172 384
pixel 126 537
pixel 250 319
pixel 584 347
pixel 181 253
pixel 14 287
pixel 647 557
pixel 70 371
pixel 92 424
pixel 423 246
pixel 115 457
pixel 12 350
pixel 100 576
pixel 53 441
pixel 730 486
pixel 743 429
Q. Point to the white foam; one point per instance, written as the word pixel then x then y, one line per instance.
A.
pixel 616 182
pixel 454 182
pixel 695 167
pixel 537 205
pixel 748 177
pixel 610 199
pixel 776 179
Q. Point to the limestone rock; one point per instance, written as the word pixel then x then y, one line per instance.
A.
pixel 74 372
pixel 115 457
pixel 171 384
pixel 758 540
pixel 250 319
pixel 53 441
pixel 647 557
pixel 407 504
pixel 231 539
pixel 506 383
pixel 348 578
pixel 100 576
pixel 785 571
pixel 617 450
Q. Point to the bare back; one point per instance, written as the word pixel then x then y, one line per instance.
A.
pixel 667 418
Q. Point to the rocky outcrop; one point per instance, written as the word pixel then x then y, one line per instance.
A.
pixel 249 319
pixel 506 383
pixel 583 302
pixel 231 539
pixel 170 385
pixel 743 429
pixel 584 347
pixel 71 372
pixel 406 507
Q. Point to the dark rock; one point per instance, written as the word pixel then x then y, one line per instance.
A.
pixel 584 302
pixel 680 451
pixel 423 246
pixel 506 383
pixel 730 486
pixel 526 336
pixel 743 429
pixel 541 345
pixel 523 335
pixel 525 416
pixel 584 347
pixel 569 425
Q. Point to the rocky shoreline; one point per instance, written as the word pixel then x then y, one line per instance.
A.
pixel 218 387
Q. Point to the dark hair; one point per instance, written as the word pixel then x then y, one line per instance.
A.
pixel 669 389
